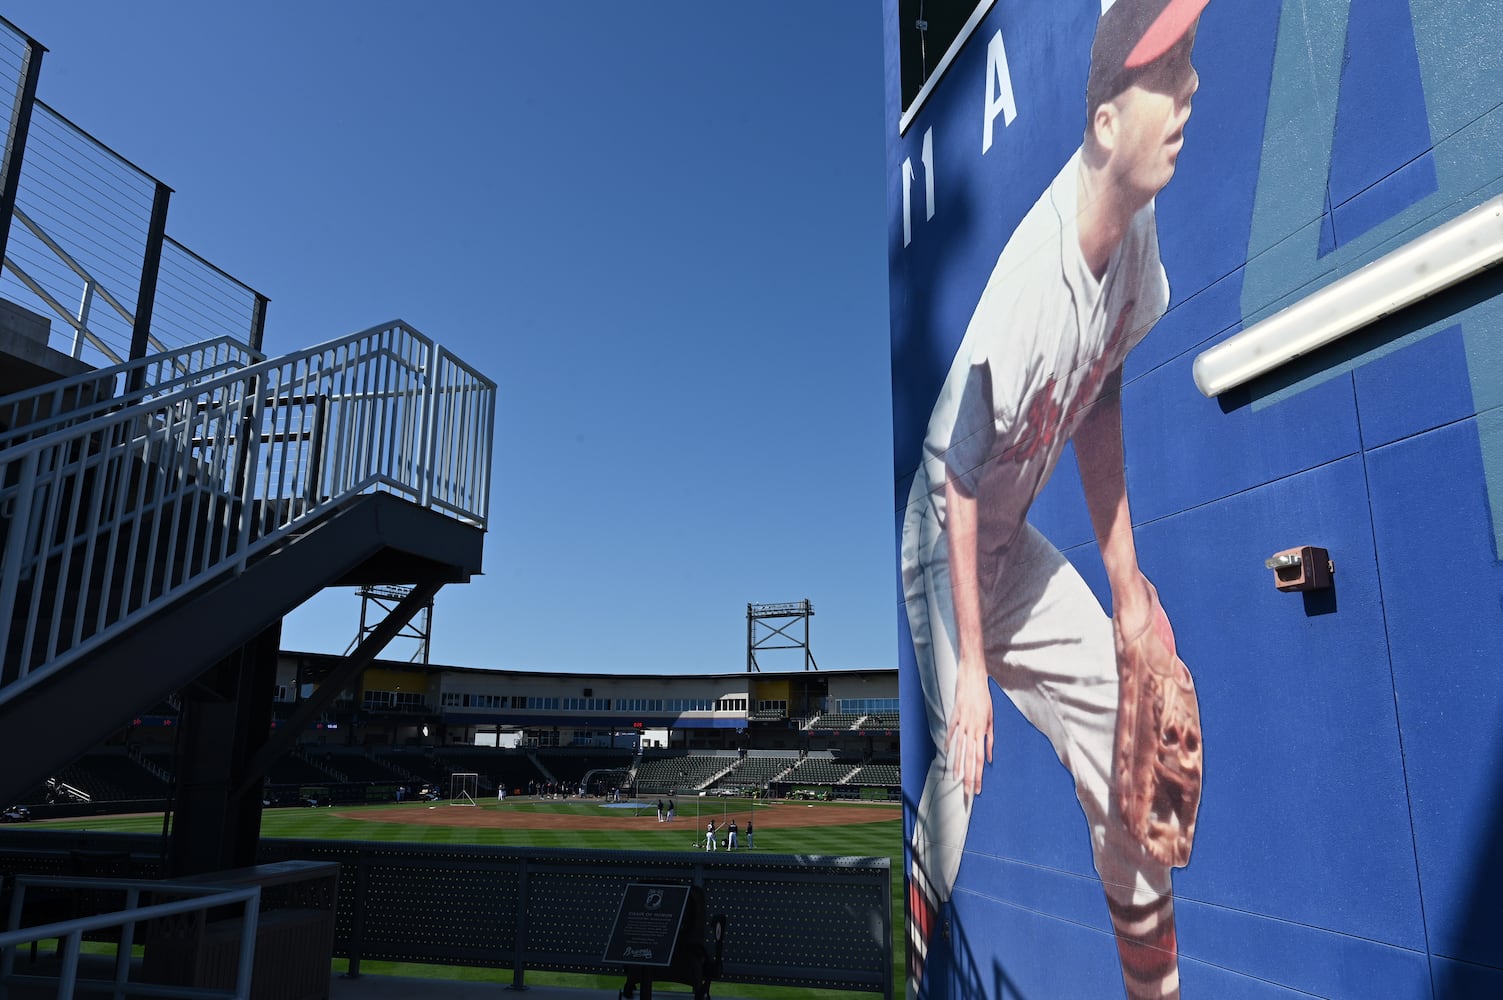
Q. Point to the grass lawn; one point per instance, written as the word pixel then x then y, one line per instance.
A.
pixel 868 839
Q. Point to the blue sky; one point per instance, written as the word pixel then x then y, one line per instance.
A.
pixel 660 228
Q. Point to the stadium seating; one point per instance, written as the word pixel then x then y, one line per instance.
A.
pixel 820 771
pixel 512 768
pixel 689 771
pixel 290 770
pixel 836 720
pixel 105 776
pixel 413 766
pixel 359 767
pixel 757 770
pixel 877 774
pixel 571 766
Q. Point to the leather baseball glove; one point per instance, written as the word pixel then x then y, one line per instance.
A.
pixel 1157 758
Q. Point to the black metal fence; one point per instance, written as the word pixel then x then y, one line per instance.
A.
pixel 792 920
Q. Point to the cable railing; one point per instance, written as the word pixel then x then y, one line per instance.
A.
pixel 106 522
pixel 12 68
pixel 70 933
pixel 196 300
pixel 78 238
pixel 34 412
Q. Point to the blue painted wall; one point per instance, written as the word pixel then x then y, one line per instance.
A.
pixel 1350 839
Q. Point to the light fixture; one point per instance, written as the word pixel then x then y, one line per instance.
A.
pixel 1449 253
pixel 1307 567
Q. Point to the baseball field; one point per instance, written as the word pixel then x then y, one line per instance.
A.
pixel 872 829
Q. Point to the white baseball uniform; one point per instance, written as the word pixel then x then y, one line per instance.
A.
pixel 1042 340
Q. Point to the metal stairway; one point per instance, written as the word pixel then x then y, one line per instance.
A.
pixel 155 531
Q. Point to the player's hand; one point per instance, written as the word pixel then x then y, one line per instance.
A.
pixel 969 742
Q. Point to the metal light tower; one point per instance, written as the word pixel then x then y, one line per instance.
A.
pixel 386 597
pixel 768 627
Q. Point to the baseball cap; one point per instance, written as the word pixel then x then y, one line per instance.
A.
pixel 1130 35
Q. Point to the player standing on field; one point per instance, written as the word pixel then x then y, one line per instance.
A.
pixel 988 598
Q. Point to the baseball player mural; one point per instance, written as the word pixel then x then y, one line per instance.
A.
pixel 989 600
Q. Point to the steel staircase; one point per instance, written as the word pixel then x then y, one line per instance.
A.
pixel 156 516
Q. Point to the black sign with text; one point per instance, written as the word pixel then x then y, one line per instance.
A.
pixel 647 924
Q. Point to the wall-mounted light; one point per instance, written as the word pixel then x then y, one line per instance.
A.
pixel 1305 568
pixel 1449 253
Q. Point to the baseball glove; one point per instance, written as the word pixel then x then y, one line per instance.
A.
pixel 1157 757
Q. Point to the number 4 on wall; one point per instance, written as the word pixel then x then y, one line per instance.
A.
pixel 926 157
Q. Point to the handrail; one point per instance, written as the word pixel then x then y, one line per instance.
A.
pixel 65 402
pixel 201 898
pixel 113 518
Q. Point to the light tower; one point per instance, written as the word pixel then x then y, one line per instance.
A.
pixel 386 597
pixel 768 627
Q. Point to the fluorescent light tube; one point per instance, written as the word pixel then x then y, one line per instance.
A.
pixel 1467 245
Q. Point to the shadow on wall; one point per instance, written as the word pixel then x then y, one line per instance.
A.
pixel 1480 927
pixel 921 359
pixel 961 966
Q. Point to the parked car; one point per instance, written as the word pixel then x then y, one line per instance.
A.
pixel 15 814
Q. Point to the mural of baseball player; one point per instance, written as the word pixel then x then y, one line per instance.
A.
pixel 989 599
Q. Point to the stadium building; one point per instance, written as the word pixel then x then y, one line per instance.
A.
pixel 849 711
pixel 414 725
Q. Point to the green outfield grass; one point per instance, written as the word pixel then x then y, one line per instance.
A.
pixel 866 839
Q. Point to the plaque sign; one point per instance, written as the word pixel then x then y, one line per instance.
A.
pixel 647 924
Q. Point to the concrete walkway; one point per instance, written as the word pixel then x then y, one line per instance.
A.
pixel 365 987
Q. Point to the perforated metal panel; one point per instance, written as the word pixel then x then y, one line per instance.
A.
pixel 800 924
pixel 415 903
pixel 570 913
pixel 792 920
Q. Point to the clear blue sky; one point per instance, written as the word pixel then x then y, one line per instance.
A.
pixel 658 227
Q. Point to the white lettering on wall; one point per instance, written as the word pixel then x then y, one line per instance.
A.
pixel 998 91
pixel 926 158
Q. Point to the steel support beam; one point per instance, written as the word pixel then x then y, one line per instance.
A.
pixel 226 718
pixel 146 296
pixel 340 678
pixel 15 144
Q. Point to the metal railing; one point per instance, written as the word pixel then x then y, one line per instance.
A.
pixel 85 239
pixel 70 933
pixel 108 521
pixel 65 402
pixel 78 237
pixel 80 234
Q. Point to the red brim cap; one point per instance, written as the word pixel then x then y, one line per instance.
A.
pixel 1169 27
